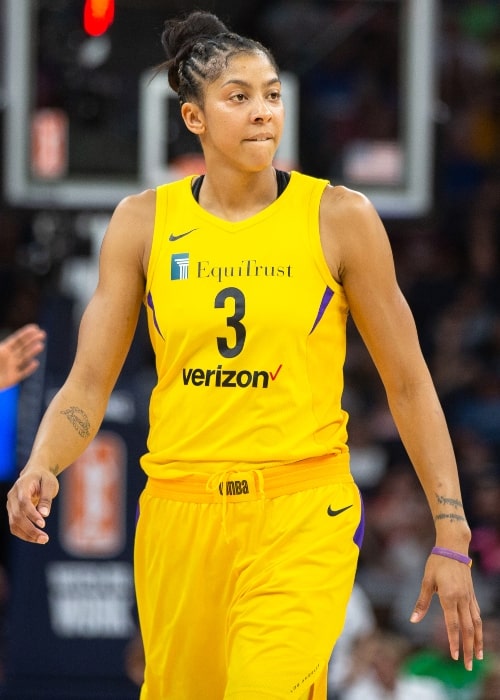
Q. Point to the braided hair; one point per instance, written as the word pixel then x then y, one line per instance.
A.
pixel 198 49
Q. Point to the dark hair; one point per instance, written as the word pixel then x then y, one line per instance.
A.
pixel 198 49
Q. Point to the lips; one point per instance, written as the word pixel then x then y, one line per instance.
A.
pixel 261 137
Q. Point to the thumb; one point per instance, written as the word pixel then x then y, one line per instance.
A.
pixel 49 487
pixel 423 603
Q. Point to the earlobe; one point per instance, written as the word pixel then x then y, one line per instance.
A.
pixel 193 118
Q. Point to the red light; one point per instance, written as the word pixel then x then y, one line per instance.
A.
pixel 98 15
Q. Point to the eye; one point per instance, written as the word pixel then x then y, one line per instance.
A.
pixel 275 95
pixel 239 97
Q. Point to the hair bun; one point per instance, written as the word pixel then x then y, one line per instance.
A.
pixel 180 35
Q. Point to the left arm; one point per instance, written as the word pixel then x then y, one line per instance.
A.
pixel 360 257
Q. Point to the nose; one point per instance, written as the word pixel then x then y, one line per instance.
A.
pixel 261 111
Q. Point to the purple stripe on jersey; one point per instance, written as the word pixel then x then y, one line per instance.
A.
pixel 152 307
pixel 327 297
pixel 360 530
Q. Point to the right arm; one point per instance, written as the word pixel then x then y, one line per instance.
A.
pixel 106 331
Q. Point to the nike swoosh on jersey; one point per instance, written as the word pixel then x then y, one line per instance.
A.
pixel 173 237
pixel 333 513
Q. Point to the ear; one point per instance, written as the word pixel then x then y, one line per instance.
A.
pixel 193 117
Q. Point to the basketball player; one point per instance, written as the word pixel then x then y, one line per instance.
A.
pixel 18 354
pixel 250 524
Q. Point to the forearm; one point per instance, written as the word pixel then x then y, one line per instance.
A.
pixel 68 426
pixel 428 444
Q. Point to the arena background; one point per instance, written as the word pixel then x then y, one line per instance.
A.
pixel 398 98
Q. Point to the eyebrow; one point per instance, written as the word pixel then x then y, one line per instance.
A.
pixel 244 83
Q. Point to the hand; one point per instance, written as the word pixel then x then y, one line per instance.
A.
pixel 29 502
pixel 452 581
pixel 18 354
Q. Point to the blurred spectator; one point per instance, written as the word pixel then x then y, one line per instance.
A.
pixel 360 623
pixel 491 685
pixel 485 544
pixel 482 242
pixel 377 672
pixel 434 661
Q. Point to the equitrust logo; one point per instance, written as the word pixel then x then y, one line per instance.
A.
pixel 179 266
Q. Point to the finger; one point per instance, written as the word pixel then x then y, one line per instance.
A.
pixel 468 635
pixel 27 333
pixel 463 620
pixel 27 369
pixel 44 506
pixel 423 602
pixel 26 523
pixel 28 352
pixel 28 341
pixel 478 629
pixel 26 531
pixel 453 629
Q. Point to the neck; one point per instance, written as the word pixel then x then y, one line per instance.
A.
pixel 235 197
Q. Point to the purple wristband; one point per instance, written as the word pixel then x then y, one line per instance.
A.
pixel 442 552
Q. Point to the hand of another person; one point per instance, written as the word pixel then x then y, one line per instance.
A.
pixel 18 354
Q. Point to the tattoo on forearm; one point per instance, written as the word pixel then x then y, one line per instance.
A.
pixel 450 516
pixel 79 420
pixel 453 503
pixel 442 500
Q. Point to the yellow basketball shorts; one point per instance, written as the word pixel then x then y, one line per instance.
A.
pixel 243 579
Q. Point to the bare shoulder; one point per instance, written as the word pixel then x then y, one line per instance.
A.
pixel 132 224
pixel 137 209
pixel 341 205
pixel 349 227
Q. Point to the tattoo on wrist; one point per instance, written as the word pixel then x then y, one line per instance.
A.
pixel 79 420
pixel 442 500
pixel 450 516
pixel 55 470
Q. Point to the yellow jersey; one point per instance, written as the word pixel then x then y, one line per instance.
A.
pixel 248 327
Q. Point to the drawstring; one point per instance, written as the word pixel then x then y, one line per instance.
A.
pixel 213 485
pixel 260 482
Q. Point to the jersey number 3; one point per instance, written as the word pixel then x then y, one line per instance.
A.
pixel 233 321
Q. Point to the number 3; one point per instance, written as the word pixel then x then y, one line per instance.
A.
pixel 233 321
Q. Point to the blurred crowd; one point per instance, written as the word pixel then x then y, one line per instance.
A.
pixel 448 268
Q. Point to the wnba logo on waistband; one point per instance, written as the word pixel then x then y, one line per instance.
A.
pixel 179 266
pixel 234 488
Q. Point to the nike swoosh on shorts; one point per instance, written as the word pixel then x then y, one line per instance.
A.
pixel 333 513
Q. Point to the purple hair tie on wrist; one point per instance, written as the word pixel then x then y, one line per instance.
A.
pixel 450 554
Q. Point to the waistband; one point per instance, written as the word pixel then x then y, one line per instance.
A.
pixel 234 485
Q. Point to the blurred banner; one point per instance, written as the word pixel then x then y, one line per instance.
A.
pixel 72 607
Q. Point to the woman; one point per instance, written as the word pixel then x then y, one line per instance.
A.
pixel 250 523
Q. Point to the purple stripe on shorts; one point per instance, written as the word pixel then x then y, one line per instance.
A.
pixel 327 297
pixel 360 531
